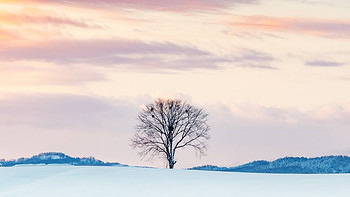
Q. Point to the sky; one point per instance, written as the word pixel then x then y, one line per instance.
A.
pixel 273 75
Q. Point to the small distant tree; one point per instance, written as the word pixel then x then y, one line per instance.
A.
pixel 168 125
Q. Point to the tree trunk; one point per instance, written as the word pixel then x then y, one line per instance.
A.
pixel 171 156
pixel 171 165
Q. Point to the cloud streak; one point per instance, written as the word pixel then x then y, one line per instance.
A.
pixel 314 27
pixel 164 5
pixel 132 55
pixel 322 63
pixel 16 19
pixel 126 54
pixel 254 59
pixel 6 35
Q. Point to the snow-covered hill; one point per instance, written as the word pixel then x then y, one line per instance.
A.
pixel 56 158
pixel 294 165
pixel 288 165
pixel 92 181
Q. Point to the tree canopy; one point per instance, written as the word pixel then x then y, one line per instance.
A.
pixel 168 125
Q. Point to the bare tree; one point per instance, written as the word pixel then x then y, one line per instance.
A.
pixel 168 125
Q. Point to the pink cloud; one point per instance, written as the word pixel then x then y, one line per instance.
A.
pixel 124 54
pixel 22 19
pixel 315 27
pixel 331 112
pixel 132 55
pixel 4 35
pixel 162 5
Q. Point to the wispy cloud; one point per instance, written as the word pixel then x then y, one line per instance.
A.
pixel 254 59
pixel 16 19
pixel 132 55
pixel 122 53
pixel 314 2
pixel 6 35
pixel 163 5
pixel 315 27
pixel 323 63
pixel 66 51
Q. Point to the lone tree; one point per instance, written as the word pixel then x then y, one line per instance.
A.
pixel 168 125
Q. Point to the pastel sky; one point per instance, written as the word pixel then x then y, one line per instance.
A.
pixel 274 75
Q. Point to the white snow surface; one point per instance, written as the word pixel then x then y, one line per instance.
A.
pixel 77 181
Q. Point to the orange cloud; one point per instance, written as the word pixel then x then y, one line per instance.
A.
pixel 4 35
pixel 16 19
pixel 316 27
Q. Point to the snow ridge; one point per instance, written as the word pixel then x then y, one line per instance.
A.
pixel 292 165
pixel 56 158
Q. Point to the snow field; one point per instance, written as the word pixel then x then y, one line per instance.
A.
pixel 92 181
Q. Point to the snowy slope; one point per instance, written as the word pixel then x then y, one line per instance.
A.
pixel 89 181
pixel 291 165
pixel 56 158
